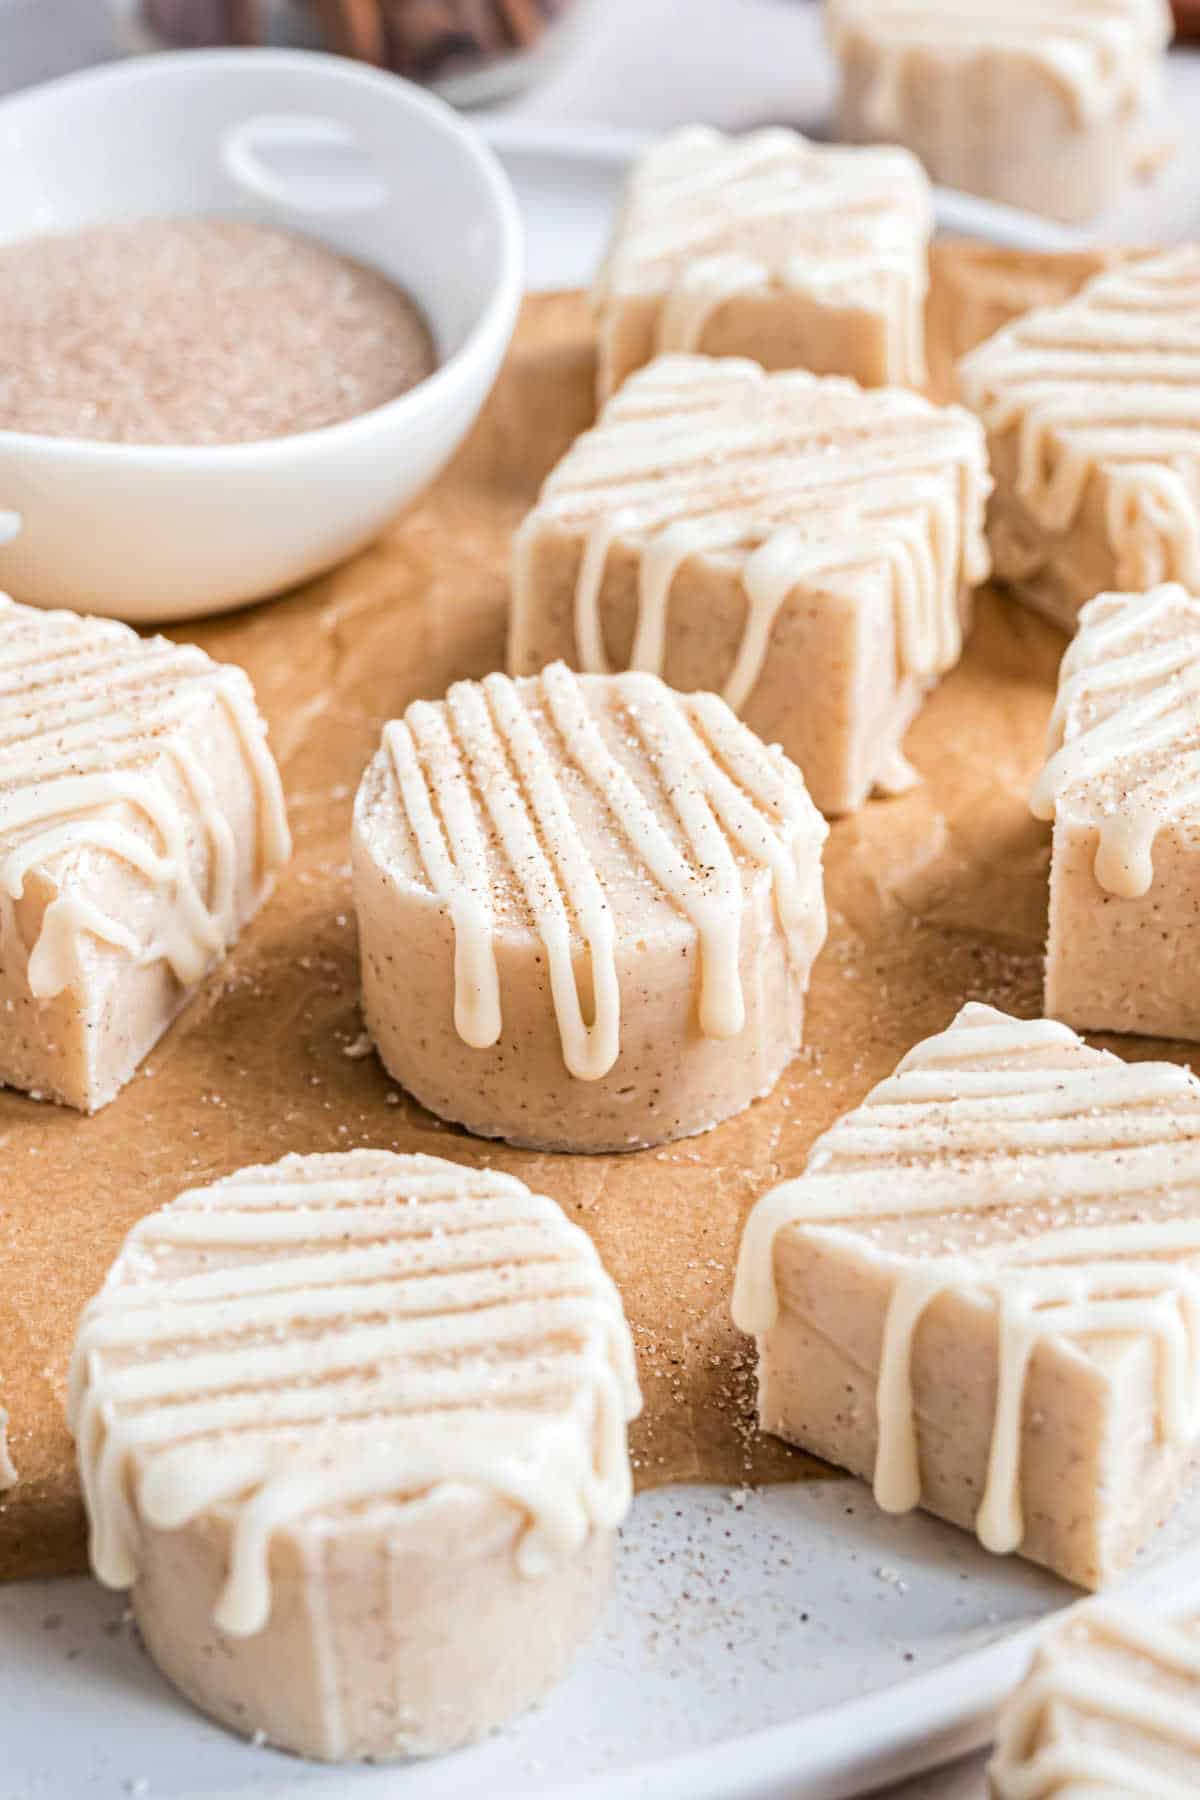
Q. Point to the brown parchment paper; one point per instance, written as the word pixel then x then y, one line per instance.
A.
pixel 934 898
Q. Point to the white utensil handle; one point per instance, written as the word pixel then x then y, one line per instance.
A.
pixel 304 163
pixel 1010 227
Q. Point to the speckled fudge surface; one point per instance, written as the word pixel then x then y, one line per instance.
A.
pixel 1122 785
pixel 351 1430
pixel 588 908
pixel 980 1294
pixel 141 825
pixel 1110 1706
pixel 801 546
pixel 1036 104
pixel 800 255
pixel 1092 411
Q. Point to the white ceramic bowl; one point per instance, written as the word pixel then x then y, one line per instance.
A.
pixel 362 160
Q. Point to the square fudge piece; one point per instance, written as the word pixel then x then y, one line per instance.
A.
pixel 799 545
pixel 1092 412
pixel 981 1294
pixel 768 246
pixel 1122 785
pixel 1040 105
pixel 141 823
pixel 1110 1710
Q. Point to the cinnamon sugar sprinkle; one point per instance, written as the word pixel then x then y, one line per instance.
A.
pixel 197 331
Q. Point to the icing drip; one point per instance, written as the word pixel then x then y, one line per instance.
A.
pixel 89 719
pixel 454 857
pixel 700 290
pixel 1102 54
pixel 897 776
pixel 1001 1112
pixel 800 480
pixel 255 1336
pixel 1127 716
pixel 1109 382
pixel 1111 1706
pixel 478 771
pixel 708 218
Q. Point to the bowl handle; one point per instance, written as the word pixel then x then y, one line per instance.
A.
pixel 303 162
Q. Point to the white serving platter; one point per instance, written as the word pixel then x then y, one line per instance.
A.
pixel 789 1644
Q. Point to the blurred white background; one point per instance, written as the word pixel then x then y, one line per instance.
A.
pixel 657 63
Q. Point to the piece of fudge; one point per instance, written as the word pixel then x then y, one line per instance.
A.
pixel 1110 1710
pixel 797 254
pixel 976 289
pixel 353 1430
pixel 1092 412
pixel 1038 105
pixel 803 547
pixel 980 1295
pixel 587 909
pixel 1122 785
pixel 141 825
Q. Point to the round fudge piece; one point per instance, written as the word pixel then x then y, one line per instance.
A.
pixel 587 906
pixel 352 1428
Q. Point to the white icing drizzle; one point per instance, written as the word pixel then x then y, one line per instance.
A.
pixel 701 289
pixel 331 1330
pixel 426 761
pixel 88 719
pixel 798 479
pixel 709 217
pixel 998 1112
pixel 1127 716
pixel 523 801
pixel 477 780
pixel 1111 1706
pixel 1102 54
pixel 1108 382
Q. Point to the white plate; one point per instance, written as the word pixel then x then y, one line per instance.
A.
pixel 763 1646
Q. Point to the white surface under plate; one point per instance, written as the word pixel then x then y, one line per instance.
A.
pixel 791 1643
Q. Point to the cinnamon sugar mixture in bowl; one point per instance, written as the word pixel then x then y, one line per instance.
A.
pixel 197 408
pixel 197 330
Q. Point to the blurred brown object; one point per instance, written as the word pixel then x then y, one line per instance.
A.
pixel 425 37
pixel 353 28
pixel 420 38
pixel 1187 19
pixel 196 23
pixel 243 21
